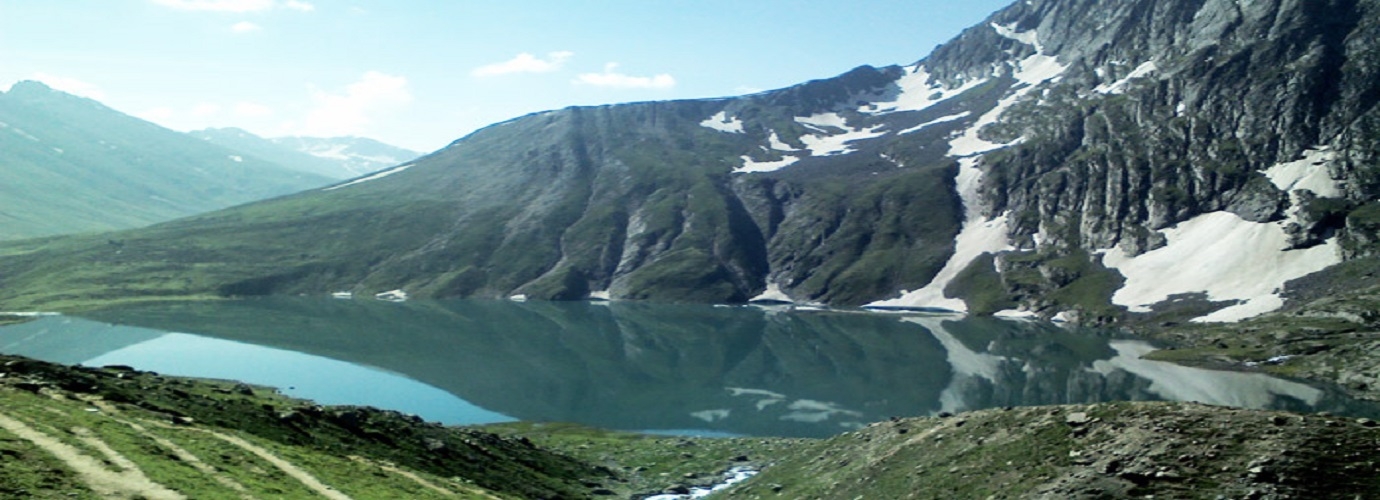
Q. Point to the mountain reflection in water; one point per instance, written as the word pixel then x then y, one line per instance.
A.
pixel 688 368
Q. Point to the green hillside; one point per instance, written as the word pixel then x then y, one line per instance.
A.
pixel 69 164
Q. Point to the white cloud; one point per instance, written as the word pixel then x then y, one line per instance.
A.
pixel 252 110
pixel 218 5
pixel 205 109
pixel 525 63
pixel 299 6
pixel 351 113
pixel 245 27
pixel 71 86
pixel 611 78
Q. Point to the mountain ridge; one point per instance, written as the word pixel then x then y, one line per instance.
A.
pixel 75 165
pixel 1048 162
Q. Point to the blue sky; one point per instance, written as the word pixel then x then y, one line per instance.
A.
pixel 420 74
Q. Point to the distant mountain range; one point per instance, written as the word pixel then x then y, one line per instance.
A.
pixel 334 157
pixel 70 164
pixel 1073 159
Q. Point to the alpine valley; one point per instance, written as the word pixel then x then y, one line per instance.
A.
pixel 1077 159
pixel 1203 172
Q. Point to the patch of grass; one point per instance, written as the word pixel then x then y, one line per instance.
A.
pixel 980 286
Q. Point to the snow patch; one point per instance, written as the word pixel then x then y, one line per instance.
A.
pixel 821 122
pixel 334 152
pixel 747 391
pixel 723 123
pixel 1016 314
pixel 236 158
pixel 779 145
pixel 969 143
pixel 812 412
pixel 766 398
pixel 968 365
pixel 1309 173
pixel 376 176
pixel 772 294
pixel 518 298
pixel 1182 383
pixel 1222 255
pixel 1038 68
pixel 1119 86
pixel 834 145
pixel 600 295
pixel 936 121
pixel 30 314
pixel 977 237
pixel 751 165
pixel 829 142
pixel 917 93
pixel 712 416
pixel 392 296
pixel 1031 38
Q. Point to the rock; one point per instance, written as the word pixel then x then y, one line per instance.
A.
pixel 1077 418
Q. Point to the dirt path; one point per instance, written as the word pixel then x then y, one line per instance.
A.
pixel 130 482
pixel 288 468
pixel 413 477
pixel 193 460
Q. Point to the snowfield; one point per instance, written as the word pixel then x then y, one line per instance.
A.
pixel 723 123
pixel 1119 86
pixel 376 176
pixel 1222 255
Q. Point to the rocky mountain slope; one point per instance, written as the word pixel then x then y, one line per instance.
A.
pixel 1066 158
pixel 69 164
pixel 1124 450
pixel 337 158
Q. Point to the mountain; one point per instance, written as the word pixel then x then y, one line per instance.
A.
pixel 355 156
pixel 288 156
pixel 71 164
pixel 1072 159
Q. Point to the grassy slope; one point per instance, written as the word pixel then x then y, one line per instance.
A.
pixel 72 165
pixel 1168 450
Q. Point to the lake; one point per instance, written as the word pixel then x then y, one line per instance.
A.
pixel 665 368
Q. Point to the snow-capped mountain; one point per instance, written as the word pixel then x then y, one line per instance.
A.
pixel 338 158
pixel 356 156
pixel 1078 159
